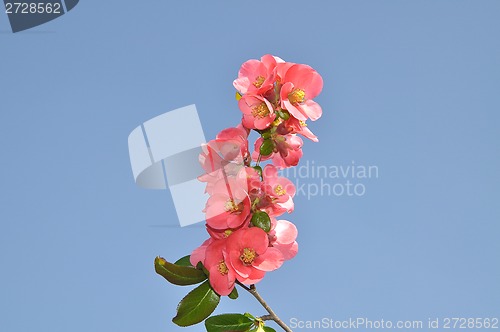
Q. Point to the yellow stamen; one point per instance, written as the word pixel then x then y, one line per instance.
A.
pixel 297 96
pixel 231 206
pixel 259 80
pixel 222 268
pixel 277 121
pixel 247 256
pixel 302 123
pixel 279 190
pixel 227 232
pixel 260 111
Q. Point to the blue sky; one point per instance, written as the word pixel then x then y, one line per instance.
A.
pixel 410 86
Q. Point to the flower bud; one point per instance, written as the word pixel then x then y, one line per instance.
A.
pixel 284 114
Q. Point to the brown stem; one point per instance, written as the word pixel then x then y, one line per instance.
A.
pixel 272 315
pixel 258 159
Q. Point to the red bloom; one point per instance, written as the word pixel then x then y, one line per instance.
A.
pixel 256 77
pixel 250 255
pixel 300 85
pixel 222 275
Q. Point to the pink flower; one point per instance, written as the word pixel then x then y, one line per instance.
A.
pixel 220 234
pixel 229 146
pixel 300 85
pixel 278 188
pixel 288 150
pixel 250 256
pixel 256 77
pixel 257 111
pixel 254 184
pixel 222 276
pixel 210 158
pixel 232 144
pixel 223 212
pixel 228 205
pixel 224 156
pixel 295 126
pixel 198 255
pixel 282 237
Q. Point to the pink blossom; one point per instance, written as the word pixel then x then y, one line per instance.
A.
pixel 228 205
pixel 300 85
pixel 253 181
pixel 221 274
pixel 288 150
pixel 257 111
pixel 229 148
pixel 282 237
pixel 278 188
pixel 198 255
pixel 255 77
pixel 295 126
pixel 250 255
pixel 232 144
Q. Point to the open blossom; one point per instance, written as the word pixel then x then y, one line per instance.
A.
pixel 228 205
pixel 282 237
pixel 257 111
pixel 224 156
pixel 250 255
pixel 232 144
pixel 256 77
pixel 300 85
pixel 278 188
pixel 222 276
pixel 198 255
pixel 229 146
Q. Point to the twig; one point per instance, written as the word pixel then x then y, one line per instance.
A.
pixel 272 315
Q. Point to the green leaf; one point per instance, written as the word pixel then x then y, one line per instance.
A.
pixel 228 322
pixel 261 219
pixel 197 305
pixel 249 315
pixel 234 294
pixel 259 170
pixel 184 261
pixel 267 147
pixel 178 275
pixel 268 329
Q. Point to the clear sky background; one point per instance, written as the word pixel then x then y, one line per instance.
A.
pixel 410 86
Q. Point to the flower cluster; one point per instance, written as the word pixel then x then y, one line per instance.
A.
pixel 246 237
